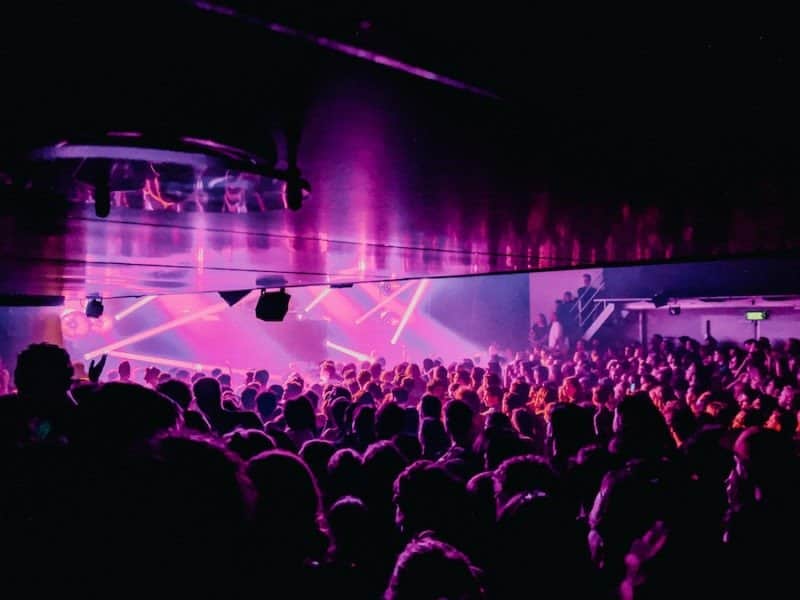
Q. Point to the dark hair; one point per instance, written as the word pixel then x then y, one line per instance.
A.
pixel 522 474
pixel 247 443
pixel 248 398
pixel 389 420
pixel 266 403
pixel 299 414
pixel 458 418
pixel 344 474
pixel 428 568
pixel 261 376
pixel 208 395
pixel 433 438
pixel 430 406
pixel 178 391
pixel 43 369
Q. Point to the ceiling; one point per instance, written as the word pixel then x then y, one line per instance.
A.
pixel 606 144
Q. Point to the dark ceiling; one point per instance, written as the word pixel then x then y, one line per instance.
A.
pixel 610 143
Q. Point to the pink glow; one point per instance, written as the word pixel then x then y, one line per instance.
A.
pixel 227 150
pixel 423 284
pixel 134 307
pixel 318 299
pixel 124 134
pixel 350 50
pixel 147 333
pixel 384 302
pixel 349 352
pixel 171 362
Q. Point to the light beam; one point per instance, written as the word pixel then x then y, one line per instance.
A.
pixel 349 352
pixel 171 362
pixel 134 307
pixel 318 299
pixel 423 284
pixel 148 333
pixel 384 302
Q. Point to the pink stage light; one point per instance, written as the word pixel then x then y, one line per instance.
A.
pixel 171 362
pixel 148 333
pixel 318 299
pixel 423 284
pixel 134 307
pixel 349 352
pixel 384 302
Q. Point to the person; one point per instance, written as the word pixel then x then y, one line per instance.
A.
pixel 429 568
pixel 557 340
pixel 42 410
pixel 586 296
pixel 539 330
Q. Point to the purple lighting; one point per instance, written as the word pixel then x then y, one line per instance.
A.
pixel 350 50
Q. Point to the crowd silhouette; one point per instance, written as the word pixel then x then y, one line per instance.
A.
pixel 632 471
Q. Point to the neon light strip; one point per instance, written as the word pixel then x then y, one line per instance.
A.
pixel 318 299
pixel 171 362
pixel 347 351
pixel 384 302
pixel 411 306
pixel 148 333
pixel 133 307
pixel 349 50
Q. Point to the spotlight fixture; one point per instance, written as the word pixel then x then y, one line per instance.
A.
pixel 94 308
pixel 660 299
pixel 272 306
pixel 674 310
pixel 231 297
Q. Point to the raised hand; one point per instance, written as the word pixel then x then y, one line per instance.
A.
pixel 95 370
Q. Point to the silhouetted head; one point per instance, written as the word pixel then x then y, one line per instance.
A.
pixel 288 498
pixel 246 443
pixel 430 406
pixel 208 395
pixel 523 421
pixel 316 454
pixel 178 391
pixel 640 428
pixel 266 403
pixel 458 420
pixel 571 427
pixel 628 503
pixel 389 420
pixel 261 377
pixel 433 439
pixel 764 470
pixel 429 570
pixel 383 462
pixel 124 370
pixel 428 498
pixel 43 371
pixel 350 529
pixel 364 422
pixel 522 474
pixel 120 415
pixel 344 474
pixel 248 398
pixel 182 498
pixel 299 414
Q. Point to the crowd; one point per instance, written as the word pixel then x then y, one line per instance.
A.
pixel 640 471
pixel 571 316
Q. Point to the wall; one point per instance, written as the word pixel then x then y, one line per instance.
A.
pixel 548 286
pixel 726 324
